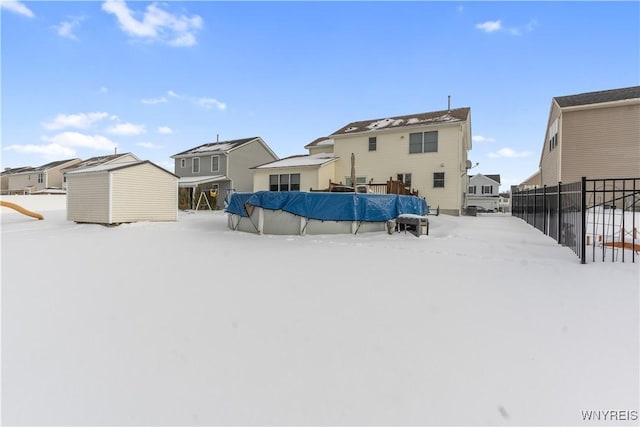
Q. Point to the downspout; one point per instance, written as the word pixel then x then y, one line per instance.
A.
pixel 559 147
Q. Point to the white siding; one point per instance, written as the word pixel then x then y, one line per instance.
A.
pixel 88 198
pixel 143 193
pixel 392 157
pixel 309 177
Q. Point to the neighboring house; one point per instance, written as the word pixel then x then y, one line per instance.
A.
pixel 4 177
pixel 595 134
pixel 532 182
pixel 114 193
pixel 221 166
pixel 47 176
pixel 484 191
pixel 427 151
pixel 295 173
pixel 99 160
pixel 504 202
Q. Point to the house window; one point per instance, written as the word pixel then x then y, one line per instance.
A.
pixel 215 163
pixel 40 178
pixel 195 165
pixel 423 142
pixel 373 143
pixel 284 182
pixel 472 189
pixel 487 189
pixel 438 179
pixel 359 180
pixel 183 163
pixel 406 179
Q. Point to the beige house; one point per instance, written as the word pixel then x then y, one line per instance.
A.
pixel 4 177
pixel 40 178
pixel 122 192
pixel 427 151
pixel 295 173
pixel 595 134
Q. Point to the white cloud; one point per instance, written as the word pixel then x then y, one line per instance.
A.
pixel 146 145
pixel 172 93
pixel 211 102
pixel 79 121
pixel 152 101
pixel 165 130
pixel 65 28
pixel 489 26
pixel 77 139
pixel 49 150
pixel 156 24
pixel 127 129
pixel 16 7
pixel 104 89
pixel 493 26
pixel 509 153
pixel 480 138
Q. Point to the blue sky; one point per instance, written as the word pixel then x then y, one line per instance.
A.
pixel 156 78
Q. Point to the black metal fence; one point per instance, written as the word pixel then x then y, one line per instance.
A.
pixel 597 218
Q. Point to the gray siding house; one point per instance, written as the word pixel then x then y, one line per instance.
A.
pixel 219 167
pixel 32 180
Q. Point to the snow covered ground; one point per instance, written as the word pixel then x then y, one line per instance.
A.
pixel 486 321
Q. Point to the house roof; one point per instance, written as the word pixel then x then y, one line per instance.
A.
pixel 44 167
pixel 221 147
pixel 304 160
pixel 410 120
pixel 598 97
pixel 324 140
pixel 10 171
pixel 193 181
pixel 495 177
pixel 98 160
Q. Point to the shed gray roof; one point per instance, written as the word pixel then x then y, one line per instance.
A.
pixel 103 167
pixel 95 161
pixel 409 120
pixel 598 97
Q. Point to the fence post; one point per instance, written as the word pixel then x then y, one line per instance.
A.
pixel 544 210
pixel 559 212
pixel 583 226
pixel 535 210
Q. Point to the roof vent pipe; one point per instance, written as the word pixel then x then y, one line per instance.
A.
pixel 449 103
pixel 217 137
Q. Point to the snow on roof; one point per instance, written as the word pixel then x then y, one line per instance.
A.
pixel 446 116
pixel 220 146
pixel 102 167
pixel 300 161
pixel 320 141
pixel 190 181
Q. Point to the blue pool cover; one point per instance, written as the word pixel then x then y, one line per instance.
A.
pixel 330 206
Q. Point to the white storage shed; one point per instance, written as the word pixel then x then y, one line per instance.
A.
pixel 122 192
